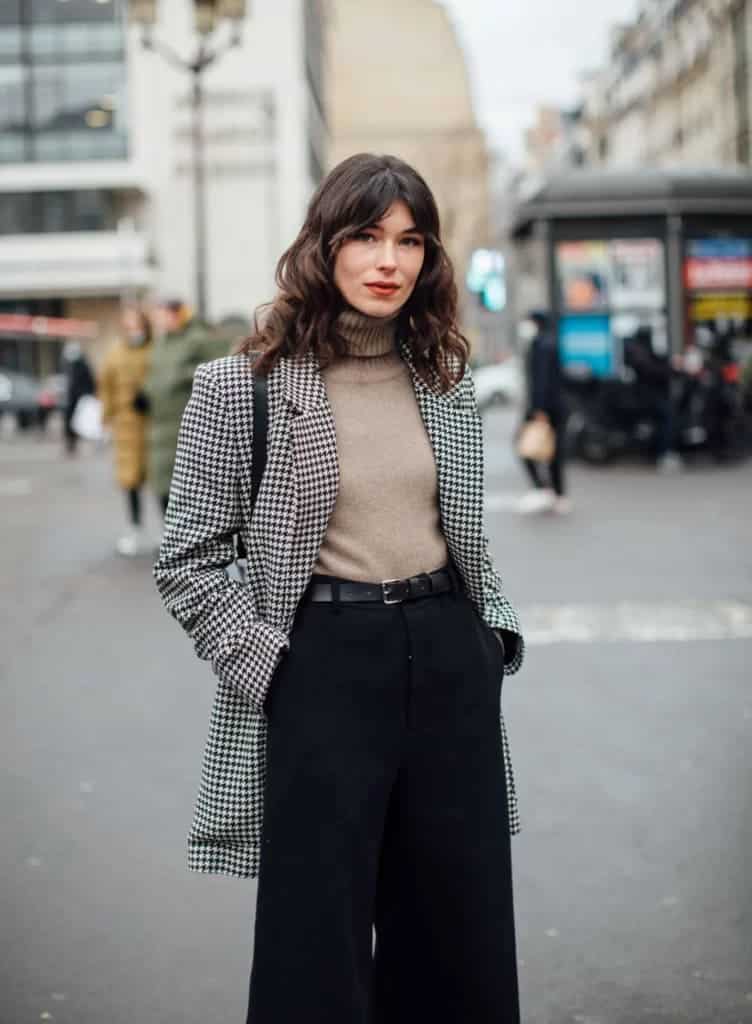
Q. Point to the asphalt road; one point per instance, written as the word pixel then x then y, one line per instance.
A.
pixel 631 729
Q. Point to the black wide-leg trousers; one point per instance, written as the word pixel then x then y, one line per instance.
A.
pixel 385 808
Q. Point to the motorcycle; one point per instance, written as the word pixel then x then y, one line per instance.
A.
pixel 700 408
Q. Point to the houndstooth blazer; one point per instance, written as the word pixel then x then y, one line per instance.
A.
pixel 244 628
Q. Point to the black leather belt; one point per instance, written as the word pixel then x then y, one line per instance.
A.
pixel 425 584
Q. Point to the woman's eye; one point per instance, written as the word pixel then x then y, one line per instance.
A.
pixel 412 241
pixel 363 236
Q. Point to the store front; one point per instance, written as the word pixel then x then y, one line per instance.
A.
pixel 670 251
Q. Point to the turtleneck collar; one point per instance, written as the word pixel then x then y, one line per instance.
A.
pixel 367 336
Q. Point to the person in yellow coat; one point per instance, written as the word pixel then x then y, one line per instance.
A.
pixel 121 379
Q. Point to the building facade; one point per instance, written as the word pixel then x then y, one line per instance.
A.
pixel 96 161
pixel 676 90
pixel 407 93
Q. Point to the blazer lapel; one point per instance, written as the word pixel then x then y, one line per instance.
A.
pixel 455 431
pixel 314 465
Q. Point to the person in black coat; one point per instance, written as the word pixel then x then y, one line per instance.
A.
pixel 653 376
pixel 545 401
pixel 79 381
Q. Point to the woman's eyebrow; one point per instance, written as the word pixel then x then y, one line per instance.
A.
pixel 412 230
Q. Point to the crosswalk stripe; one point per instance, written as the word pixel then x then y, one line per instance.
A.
pixel 14 488
pixel 641 622
pixel 502 499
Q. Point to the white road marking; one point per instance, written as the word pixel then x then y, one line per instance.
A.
pixel 641 622
pixel 27 454
pixel 502 499
pixel 15 488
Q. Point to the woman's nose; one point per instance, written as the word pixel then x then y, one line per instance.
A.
pixel 387 256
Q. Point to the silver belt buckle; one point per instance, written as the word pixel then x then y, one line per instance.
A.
pixel 385 592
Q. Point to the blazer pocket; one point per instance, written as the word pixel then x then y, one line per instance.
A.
pixel 247 658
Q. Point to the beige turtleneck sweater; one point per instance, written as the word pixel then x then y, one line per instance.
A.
pixel 385 523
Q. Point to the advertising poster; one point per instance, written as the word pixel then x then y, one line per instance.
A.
pixel 722 264
pixel 608 289
pixel 584 270
pixel 586 345
pixel 718 281
pixel 638 280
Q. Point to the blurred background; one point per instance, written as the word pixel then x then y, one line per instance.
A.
pixel 593 166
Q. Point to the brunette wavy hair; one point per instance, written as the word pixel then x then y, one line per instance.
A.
pixel 355 195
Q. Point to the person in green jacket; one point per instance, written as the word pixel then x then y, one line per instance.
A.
pixel 183 343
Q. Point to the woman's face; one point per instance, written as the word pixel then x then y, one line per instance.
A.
pixel 376 270
pixel 132 325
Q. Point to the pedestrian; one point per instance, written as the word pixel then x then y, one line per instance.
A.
pixel 653 381
pixel 183 342
pixel 545 402
pixel 357 759
pixel 79 381
pixel 120 380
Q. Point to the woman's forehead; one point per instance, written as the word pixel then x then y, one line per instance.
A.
pixel 398 217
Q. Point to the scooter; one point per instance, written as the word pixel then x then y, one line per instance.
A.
pixel 614 416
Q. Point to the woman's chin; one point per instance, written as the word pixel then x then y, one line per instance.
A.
pixel 377 307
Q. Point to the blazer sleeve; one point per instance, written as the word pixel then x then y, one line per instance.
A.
pixel 500 615
pixel 497 610
pixel 203 515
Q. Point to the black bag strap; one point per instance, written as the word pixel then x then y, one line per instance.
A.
pixel 258 456
pixel 260 430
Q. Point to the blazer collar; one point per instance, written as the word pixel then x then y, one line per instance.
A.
pixel 420 385
pixel 302 383
pixel 304 389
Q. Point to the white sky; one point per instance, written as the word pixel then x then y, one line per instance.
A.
pixel 522 53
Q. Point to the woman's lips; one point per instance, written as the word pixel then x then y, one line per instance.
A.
pixel 383 289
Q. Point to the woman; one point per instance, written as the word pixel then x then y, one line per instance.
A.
pixel 120 380
pixel 545 402
pixel 356 757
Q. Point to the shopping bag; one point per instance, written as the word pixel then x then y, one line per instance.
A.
pixel 537 441
pixel 87 418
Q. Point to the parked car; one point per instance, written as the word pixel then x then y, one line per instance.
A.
pixel 52 396
pixel 498 384
pixel 19 397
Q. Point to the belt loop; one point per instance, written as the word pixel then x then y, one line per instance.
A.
pixel 336 603
pixel 428 579
pixel 454 580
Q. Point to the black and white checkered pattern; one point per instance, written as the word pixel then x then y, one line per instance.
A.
pixel 244 628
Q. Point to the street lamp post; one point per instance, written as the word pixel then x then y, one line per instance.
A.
pixel 208 15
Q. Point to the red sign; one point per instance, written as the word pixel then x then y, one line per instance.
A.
pixel 47 326
pixel 713 273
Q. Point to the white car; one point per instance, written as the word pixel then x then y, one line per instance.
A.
pixel 499 384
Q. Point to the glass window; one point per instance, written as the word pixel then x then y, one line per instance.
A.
pixel 10 42
pixel 10 13
pixel 10 30
pixel 16 213
pixel 12 98
pixel 12 148
pixel 56 11
pixel 12 114
pixel 62 89
pixel 50 212
pixel 53 209
pixel 92 211
pixel 78 111
pixel 51 41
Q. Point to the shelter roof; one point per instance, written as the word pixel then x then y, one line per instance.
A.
pixel 622 192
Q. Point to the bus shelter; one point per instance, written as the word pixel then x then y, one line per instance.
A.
pixel 608 251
